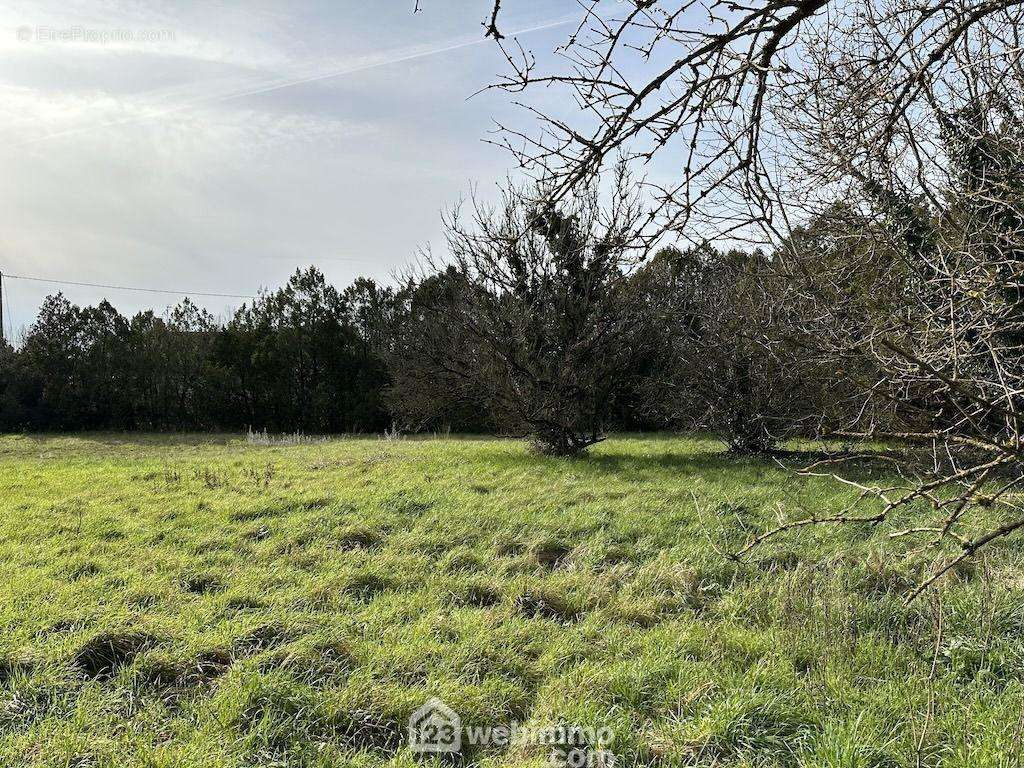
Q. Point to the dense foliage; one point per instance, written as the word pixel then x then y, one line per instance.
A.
pixel 577 345
pixel 536 320
pixel 301 358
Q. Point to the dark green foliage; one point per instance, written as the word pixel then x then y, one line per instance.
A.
pixel 733 364
pixel 535 323
pixel 304 358
pixel 555 333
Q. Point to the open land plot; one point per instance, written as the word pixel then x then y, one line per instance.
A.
pixel 170 601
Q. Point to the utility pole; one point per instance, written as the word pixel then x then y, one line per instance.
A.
pixel 3 339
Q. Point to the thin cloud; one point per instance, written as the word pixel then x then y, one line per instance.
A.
pixel 277 84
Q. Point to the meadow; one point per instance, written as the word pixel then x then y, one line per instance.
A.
pixel 203 601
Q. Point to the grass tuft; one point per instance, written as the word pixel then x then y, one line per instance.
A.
pixel 546 604
pixel 261 638
pixel 103 655
pixel 201 584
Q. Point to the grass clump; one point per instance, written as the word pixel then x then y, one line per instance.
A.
pixel 476 594
pixel 546 603
pixel 201 583
pixel 171 679
pixel 261 638
pixel 104 654
pixel 359 538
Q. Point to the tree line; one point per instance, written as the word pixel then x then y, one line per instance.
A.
pixel 548 322
pixel 557 318
pixel 304 357
pixel 556 323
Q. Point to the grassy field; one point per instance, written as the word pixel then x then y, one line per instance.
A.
pixel 205 602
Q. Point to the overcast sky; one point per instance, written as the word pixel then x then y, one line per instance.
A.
pixel 216 146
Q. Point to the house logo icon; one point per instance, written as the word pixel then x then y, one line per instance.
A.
pixel 435 728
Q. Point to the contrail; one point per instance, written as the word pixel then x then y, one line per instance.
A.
pixel 280 84
pixel 387 62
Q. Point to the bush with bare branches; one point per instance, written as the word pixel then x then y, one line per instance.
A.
pixel 534 319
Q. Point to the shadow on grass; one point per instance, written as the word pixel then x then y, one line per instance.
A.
pixel 867 465
pixel 623 454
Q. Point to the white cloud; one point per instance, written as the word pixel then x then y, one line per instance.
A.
pixel 258 140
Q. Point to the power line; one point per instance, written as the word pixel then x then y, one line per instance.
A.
pixel 131 288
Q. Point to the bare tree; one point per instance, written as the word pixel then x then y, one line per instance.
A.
pixel 532 316
pixel 730 364
pixel 906 113
pixel 943 213
pixel 702 83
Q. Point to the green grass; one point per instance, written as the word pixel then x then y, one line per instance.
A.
pixel 203 602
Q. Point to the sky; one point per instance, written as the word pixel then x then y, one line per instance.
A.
pixel 217 146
